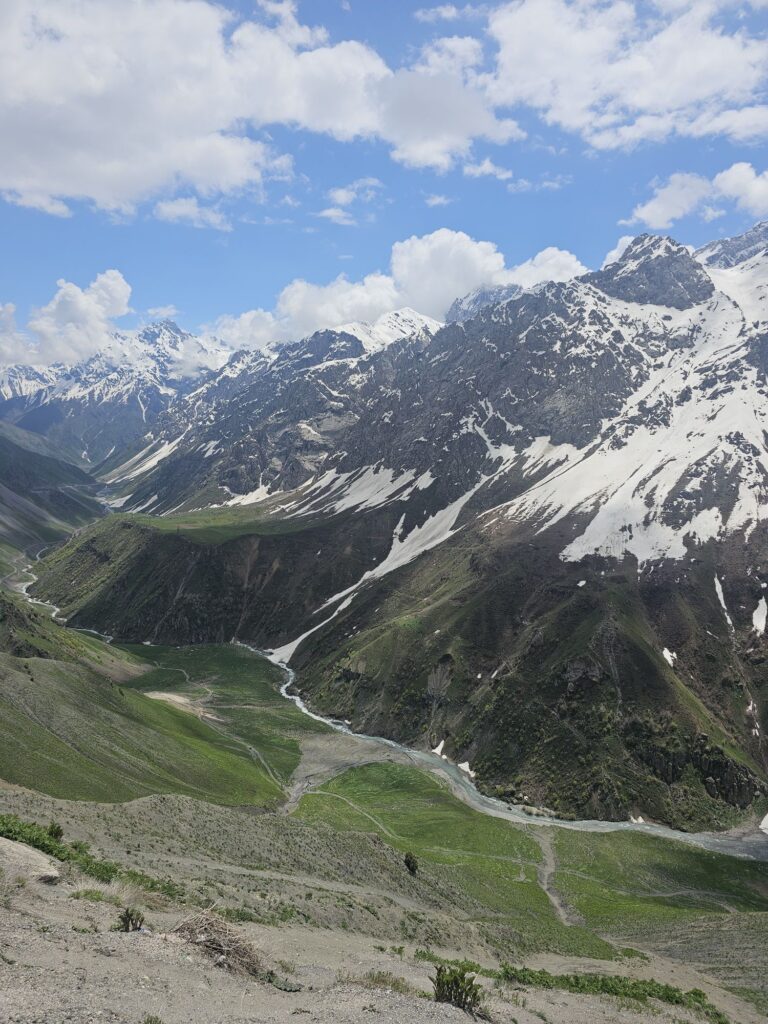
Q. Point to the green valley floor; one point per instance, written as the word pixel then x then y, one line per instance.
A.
pixel 188 774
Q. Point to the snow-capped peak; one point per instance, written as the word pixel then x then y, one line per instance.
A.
pixel 390 327
pixel 728 252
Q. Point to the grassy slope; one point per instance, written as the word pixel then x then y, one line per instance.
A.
pixel 241 690
pixel 72 726
pixel 616 884
pixel 41 495
pixel 81 728
pixel 542 674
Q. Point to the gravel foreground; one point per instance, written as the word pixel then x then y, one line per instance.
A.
pixel 61 964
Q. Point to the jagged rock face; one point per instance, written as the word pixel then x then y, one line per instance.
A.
pixel 657 271
pixel 267 421
pixel 729 252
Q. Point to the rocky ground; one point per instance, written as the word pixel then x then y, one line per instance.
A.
pixel 60 962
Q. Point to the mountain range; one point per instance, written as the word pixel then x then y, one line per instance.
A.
pixel 533 537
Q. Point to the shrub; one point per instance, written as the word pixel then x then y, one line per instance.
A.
pixel 129 920
pixel 411 863
pixel 455 986
pixel 55 831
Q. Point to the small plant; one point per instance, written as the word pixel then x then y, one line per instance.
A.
pixel 456 986
pixel 152 1019
pixel 129 920
pixel 411 863
pixel 55 831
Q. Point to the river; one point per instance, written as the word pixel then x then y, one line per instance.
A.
pixel 753 846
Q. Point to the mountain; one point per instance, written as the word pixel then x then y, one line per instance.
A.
pixel 43 496
pixel 266 421
pixel 535 539
pixel 473 302
pixel 729 252
pixel 109 402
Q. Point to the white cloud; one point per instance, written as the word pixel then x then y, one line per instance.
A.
pixel 679 196
pixel 426 272
pixel 78 321
pixel 337 215
pixel 437 200
pixel 618 72
pixel 747 188
pixel 551 264
pixel 363 190
pixel 487 168
pixel 617 251
pixel 684 194
pixel 187 210
pixel 453 55
pixel 14 346
pixel 447 12
pixel 163 312
pixel 122 103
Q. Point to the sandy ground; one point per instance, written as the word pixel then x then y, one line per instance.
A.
pixel 59 962
pixel 184 703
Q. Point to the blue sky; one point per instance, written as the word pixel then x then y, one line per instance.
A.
pixel 231 161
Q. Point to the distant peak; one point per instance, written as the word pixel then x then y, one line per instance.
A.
pixel 391 327
pixel 728 252
pixel 654 270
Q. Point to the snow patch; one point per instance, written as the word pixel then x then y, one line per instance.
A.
pixel 759 616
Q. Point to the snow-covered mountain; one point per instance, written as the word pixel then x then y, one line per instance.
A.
pixel 469 305
pixel 537 535
pixel 266 421
pixel 110 400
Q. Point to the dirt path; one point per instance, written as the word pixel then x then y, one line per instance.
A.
pixel 546 873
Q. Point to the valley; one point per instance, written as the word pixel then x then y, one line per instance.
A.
pixel 401 645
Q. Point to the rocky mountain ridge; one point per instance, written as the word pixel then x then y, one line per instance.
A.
pixel 536 536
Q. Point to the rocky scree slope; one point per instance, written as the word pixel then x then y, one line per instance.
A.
pixel 539 540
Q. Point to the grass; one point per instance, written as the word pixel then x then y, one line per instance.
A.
pixel 241 689
pixel 72 731
pixel 217 526
pixel 493 863
pixel 639 990
pixel 620 883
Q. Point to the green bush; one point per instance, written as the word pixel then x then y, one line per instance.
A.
pixel 129 920
pixel 411 863
pixel 455 986
pixel 55 831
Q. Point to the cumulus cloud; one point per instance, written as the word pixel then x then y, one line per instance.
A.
pixel 621 72
pixel 14 346
pixel 121 103
pixel 436 199
pixel 426 272
pixel 617 251
pixel 78 321
pixel 685 194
